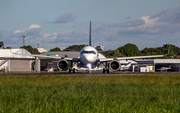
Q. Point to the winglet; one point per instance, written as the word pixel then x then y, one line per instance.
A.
pixel 90 34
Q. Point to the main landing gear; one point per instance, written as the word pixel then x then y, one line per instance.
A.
pixel 73 70
pixel 105 70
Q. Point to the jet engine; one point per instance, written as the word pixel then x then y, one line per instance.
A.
pixel 62 65
pixel 114 65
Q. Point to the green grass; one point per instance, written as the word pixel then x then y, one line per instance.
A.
pixel 126 94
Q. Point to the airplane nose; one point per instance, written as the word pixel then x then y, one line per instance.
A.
pixel 90 59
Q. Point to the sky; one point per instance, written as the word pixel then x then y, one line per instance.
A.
pixel 62 23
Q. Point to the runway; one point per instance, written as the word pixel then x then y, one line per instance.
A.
pixel 82 73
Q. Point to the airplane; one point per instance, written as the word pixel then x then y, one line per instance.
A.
pixel 125 67
pixel 89 60
pixel 165 68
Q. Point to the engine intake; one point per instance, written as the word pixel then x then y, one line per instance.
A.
pixel 62 65
pixel 114 65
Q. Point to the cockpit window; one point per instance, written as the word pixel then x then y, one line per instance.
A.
pixel 88 52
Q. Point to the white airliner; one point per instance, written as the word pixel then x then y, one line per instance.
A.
pixel 165 68
pixel 89 60
pixel 125 67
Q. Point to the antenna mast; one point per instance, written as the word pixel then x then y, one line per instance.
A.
pixel 23 39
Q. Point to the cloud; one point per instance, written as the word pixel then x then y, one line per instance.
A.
pixel 149 22
pixel 36 34
pixel 164 23
pixel 152 27
pixel 34 26
pixel 34 30
pixel 133 23
pixel 67 17
pixel 128 18
pixel 18 31
pixel 66 37
pixel 168 15
pixel 33 35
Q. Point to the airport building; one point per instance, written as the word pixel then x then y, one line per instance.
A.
pixel 12 62
pixel 154 65
pixel 41 50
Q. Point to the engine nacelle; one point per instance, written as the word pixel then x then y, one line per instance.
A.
pixel 62 65
pixel 114 65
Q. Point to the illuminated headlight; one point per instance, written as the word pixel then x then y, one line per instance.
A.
pixel 89 66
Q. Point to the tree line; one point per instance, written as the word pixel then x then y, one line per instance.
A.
pixel 126 50
pixel 132 50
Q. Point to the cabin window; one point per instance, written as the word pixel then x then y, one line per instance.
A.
pixel 88 52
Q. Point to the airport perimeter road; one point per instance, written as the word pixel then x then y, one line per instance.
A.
pixel 82 73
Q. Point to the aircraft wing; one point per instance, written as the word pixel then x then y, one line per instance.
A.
pixel 133 57
pixel 129 58
pixel 43 56
pixel 55 57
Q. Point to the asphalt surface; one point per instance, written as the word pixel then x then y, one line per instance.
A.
pixel 83 73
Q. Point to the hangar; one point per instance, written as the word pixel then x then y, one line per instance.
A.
pixel 12 62
pixel 156 65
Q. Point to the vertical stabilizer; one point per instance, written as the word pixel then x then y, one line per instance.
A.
pixel 90 35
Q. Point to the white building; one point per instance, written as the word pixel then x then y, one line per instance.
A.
pixel 41 50
pixel 13 62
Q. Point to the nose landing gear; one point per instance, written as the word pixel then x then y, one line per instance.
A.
pixel 88 71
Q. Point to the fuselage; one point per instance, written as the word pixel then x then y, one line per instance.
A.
pixel 88 55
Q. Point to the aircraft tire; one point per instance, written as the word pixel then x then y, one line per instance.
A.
pixel 73 70
pixel 69 70
pixel 108 70
pixel 88 72
pixel 103 70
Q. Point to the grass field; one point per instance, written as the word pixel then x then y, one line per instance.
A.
pixel 89 94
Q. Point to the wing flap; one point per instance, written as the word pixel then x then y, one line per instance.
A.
pixel 43 56
pixel 129 58
pixel 56 57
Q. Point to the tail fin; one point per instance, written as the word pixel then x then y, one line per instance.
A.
pixel 90 35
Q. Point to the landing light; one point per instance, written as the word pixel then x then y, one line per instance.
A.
pixel 89 66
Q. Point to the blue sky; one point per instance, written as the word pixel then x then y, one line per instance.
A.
pixel 62 23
